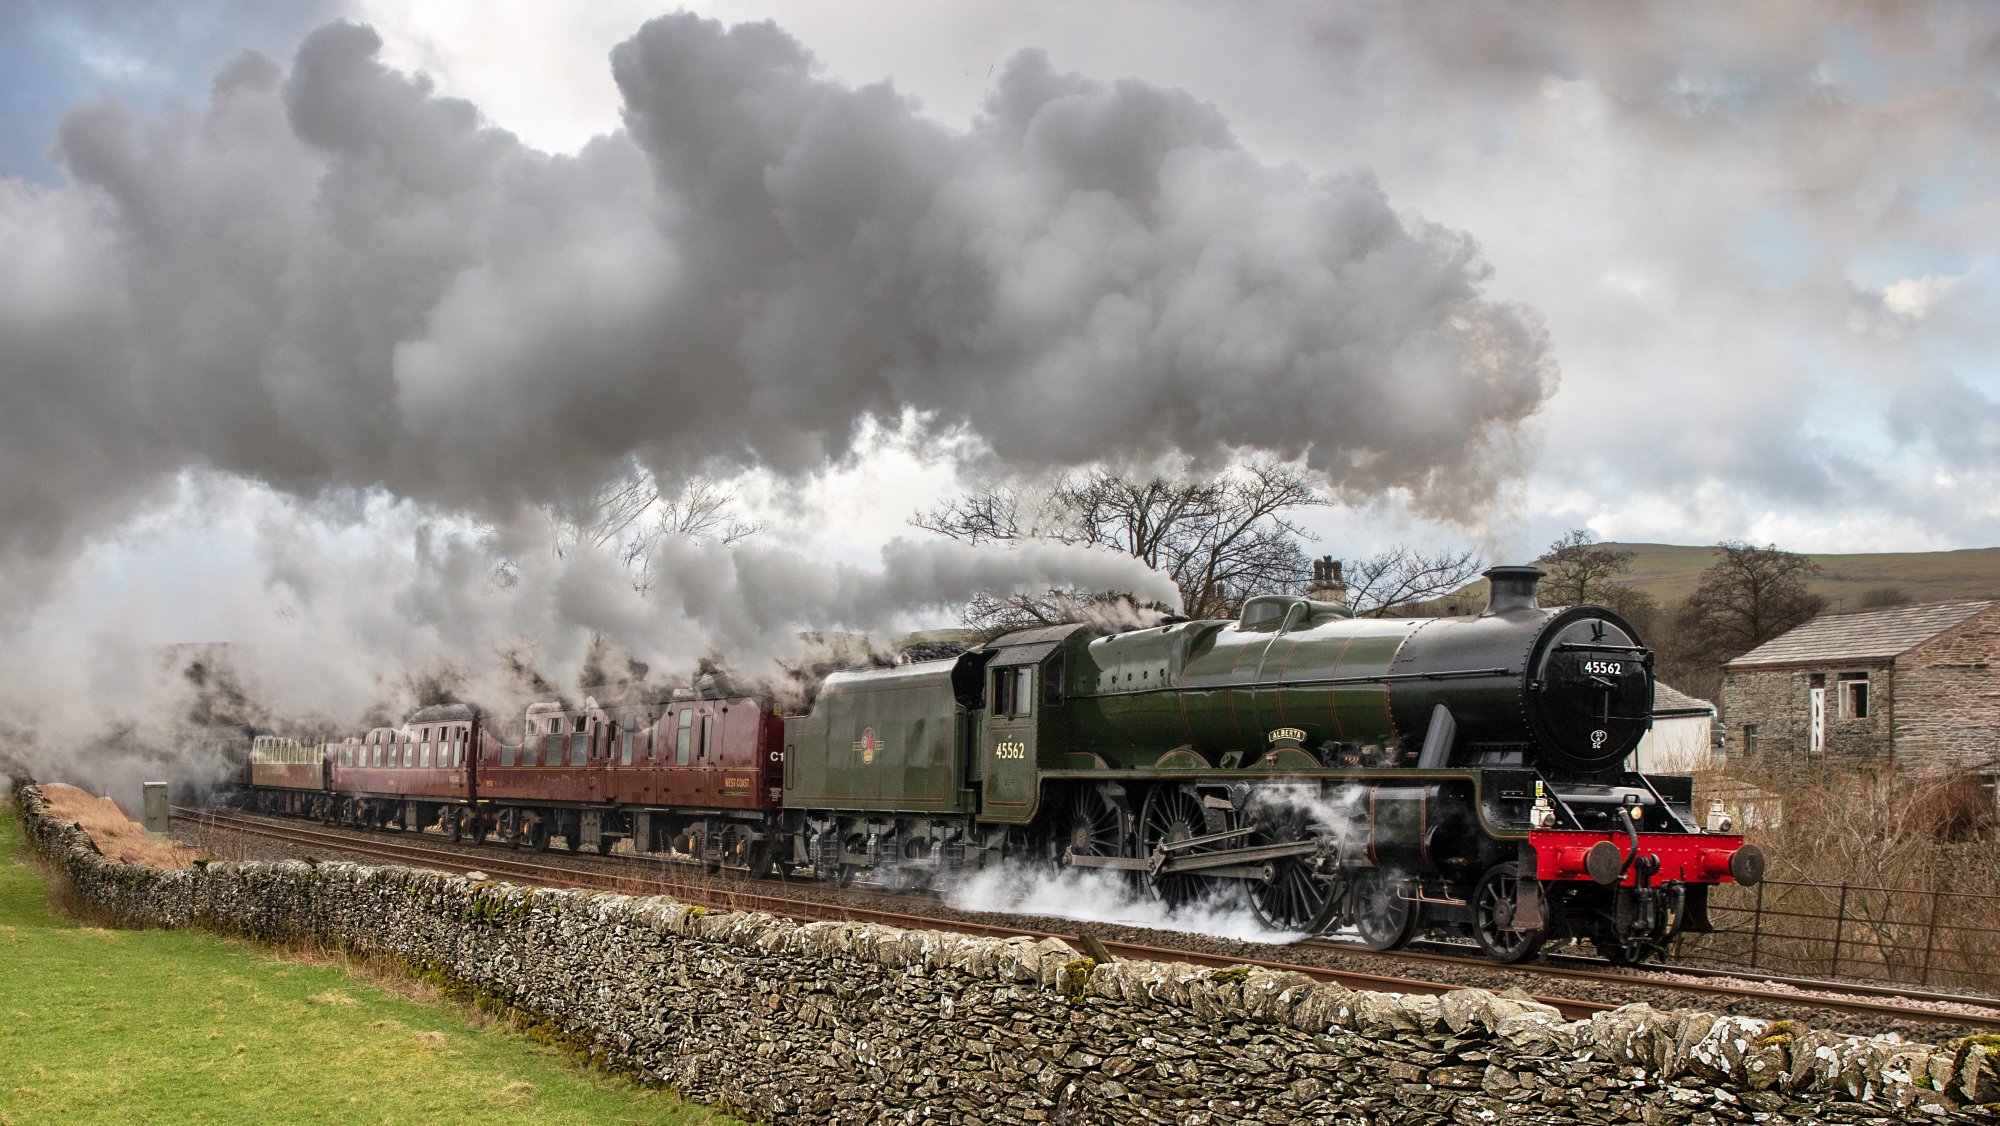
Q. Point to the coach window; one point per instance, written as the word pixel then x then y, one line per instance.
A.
pixel 509 754
pixel 685 737
pixel 409 754
pixel 378 755
pixel 705 721
pixel 625 751
pixel 424 755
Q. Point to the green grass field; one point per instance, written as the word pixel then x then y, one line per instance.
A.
pixel 102 1026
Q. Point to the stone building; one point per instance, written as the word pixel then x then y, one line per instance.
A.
pixel 1915 686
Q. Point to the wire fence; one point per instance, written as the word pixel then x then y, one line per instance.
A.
pixel 1896 936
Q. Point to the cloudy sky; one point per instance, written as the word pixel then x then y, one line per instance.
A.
pixel 331 278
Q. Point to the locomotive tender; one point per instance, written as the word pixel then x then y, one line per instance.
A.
pixel 1450 775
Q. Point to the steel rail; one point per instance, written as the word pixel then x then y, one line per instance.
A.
pixel 1807 992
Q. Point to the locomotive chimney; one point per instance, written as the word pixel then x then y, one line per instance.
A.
pixel 1327 585
pixel 1512 588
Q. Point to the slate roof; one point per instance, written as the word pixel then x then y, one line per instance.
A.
pixel 1671 701
pixel 1868 634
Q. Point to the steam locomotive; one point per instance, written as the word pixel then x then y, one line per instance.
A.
pixel 1447 776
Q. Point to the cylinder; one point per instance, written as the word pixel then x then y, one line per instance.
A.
pixel 156 808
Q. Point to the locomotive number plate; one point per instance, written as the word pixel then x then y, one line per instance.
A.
pixel 1010 748
pixel 1603 668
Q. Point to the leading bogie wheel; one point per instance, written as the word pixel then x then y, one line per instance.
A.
pixel 1494 901
pixel 1383 917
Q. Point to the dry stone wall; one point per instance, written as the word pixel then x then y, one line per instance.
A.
pixel 856 1023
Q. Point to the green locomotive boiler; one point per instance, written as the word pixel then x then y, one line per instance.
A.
pixel 1462 774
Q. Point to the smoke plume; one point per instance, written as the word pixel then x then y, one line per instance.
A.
pixel 331 284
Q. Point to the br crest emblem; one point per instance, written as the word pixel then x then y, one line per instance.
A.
pixel 867 746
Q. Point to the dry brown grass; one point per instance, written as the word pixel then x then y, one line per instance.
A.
pixel 117 836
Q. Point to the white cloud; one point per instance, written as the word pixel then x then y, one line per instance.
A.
pixel 1915 297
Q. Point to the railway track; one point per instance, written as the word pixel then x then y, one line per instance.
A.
pixel 1857 998
pixel 1854 997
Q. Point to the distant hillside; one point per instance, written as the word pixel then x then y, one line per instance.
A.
pixel 1669 572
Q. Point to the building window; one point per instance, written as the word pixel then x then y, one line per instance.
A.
pixel 1749 739
pixel 1854 695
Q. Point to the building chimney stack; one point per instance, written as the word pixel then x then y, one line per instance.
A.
pixel 1327 585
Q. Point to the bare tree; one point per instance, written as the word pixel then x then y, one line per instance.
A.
pixel 701 512
pixel 1883 598
pixel 612 518
pixel 602 518
pixel 1393 582
pixel 1582 571
pixel 1749 596
pixel 1219 540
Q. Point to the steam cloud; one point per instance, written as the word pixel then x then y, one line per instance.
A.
pixel 1096 896
pixel 333 283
